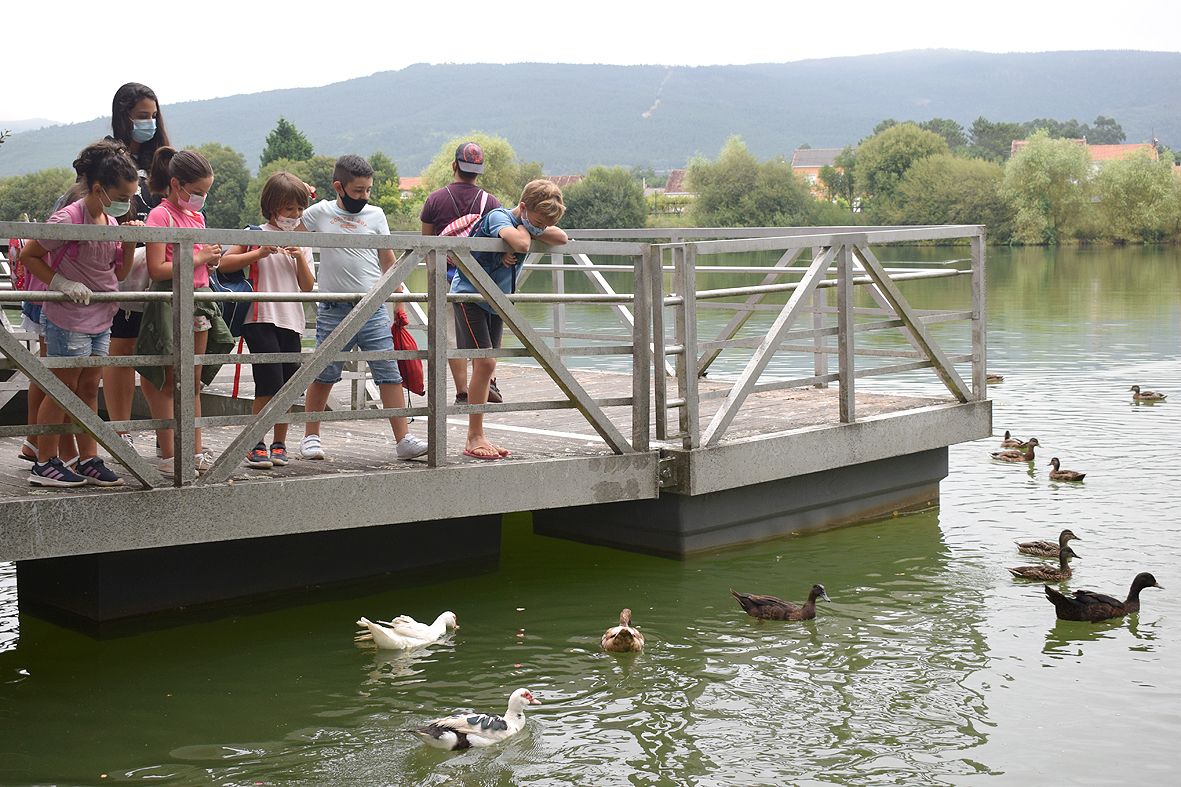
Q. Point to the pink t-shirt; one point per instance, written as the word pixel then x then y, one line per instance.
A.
pixel 276 273
pixel 168 215
pixel 93 263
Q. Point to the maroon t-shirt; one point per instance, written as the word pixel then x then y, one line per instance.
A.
pixel 441 208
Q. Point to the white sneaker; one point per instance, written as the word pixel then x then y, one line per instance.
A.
pixel 410 447
pixel 167 467
pixel 310 448
pixel 203 461
pixel 129 438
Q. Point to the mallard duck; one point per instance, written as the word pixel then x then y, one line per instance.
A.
pixel 1017 455
pixel 623 638
pixel 404 632
pixel 1047 548
pixel 1013 442
pixel 474 730
pixel 1146 396
pixel 1088 605
pixel 994 378
pixel 772 608
pixel 1047 573
pixel 1064 475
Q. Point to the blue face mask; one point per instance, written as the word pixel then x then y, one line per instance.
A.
pixel 529 226
pixel 143 130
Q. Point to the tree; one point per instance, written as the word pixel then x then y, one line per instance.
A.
pixel 883 125
pixel 317 170
pixel 1106 132
pixel 738 191
pixel 287 142
pixel 993 141
pixel 839 179
pixel 947 189
pixel 948 129
pixel 605 198
pixel 883 159
pixel 33 193
pixel 223 208
pixel 1139 198
pixel 387 192
pixel 503 173
pixel 1046 185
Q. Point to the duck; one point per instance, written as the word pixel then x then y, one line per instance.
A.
pixel 623 638
pixel 1017 455
pixel 1013 442
pixel 404 632
pixel 772 608
pixel 1048 573
pixel 1064 475
pixel 1047 548
pixel 475 730
pixel 994 378
pixel 1146 396
pixel 1094 607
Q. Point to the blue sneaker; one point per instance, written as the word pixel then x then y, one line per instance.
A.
pixel 54 473
pixel 93 471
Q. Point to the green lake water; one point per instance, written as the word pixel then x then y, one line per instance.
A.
pixel 930 666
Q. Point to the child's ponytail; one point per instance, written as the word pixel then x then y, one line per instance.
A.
pixel 186 166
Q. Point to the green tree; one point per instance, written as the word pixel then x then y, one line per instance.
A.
pixel 1139 198
pixel 1046 185
pixel 317 170
pixel 504 176
pixel 230 180
pixel 839 179
pixel 883 159
pixel 883 125
pixel 387 193
pixel 287 142
pixel 993 141
pixel 33 193
pixel 1106 131
pixel 605 198
pixel 737 191
pixel 951 131
pixel 946 189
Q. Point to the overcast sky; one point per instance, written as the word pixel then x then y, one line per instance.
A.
pixel 205 49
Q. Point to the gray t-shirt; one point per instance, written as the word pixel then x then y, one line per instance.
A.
pixel 346 270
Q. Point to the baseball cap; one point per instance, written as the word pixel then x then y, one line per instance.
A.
pixel 469 157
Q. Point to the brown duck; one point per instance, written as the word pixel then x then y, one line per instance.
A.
pixel 1088 605
pixel 772 608
pixel 1146 396
pixel 1017 455
pixel 1047 573
pixel 1058 474
pixel 1013 442
pixel 1047 548
pixel 623 638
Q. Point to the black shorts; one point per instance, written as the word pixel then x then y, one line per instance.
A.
pixel 126 324
pixel 476 328
pixel 265 337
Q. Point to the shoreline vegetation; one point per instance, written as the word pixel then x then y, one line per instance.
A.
pixel 1030 184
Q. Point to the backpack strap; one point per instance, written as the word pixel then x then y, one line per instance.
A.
pixel 454 204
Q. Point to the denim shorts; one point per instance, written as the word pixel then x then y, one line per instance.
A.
pixel 61 343
pixel 374 336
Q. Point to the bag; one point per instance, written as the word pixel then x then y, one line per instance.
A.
pixel 463 226
pixel 411 370
pixel 234 312
pixel 16 270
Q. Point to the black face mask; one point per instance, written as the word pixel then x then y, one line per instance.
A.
pixel 352 205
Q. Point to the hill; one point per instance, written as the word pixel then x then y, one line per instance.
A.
pixel 660 116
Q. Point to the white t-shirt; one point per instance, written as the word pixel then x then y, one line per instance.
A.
pixel 276 273
pixel 347 270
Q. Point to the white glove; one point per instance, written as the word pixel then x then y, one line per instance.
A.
pixel 74 290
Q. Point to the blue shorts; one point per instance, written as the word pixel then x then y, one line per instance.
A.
pixel 61 343
pixel 375 335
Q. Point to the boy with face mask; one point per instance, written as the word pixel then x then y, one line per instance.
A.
pixel 355 271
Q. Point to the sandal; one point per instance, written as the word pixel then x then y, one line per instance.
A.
pixel 28 445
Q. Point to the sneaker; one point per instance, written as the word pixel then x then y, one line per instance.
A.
pixel 168 468
pixel 310 447
pixel 95 472
pixel 279 455
pixel 54 473
pixel 410 447
pixel 129 438
pixel 203 461
pixel 258 457
pixel 494 396
pixel 461 398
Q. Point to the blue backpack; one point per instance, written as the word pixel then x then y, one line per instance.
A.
pixel 234 312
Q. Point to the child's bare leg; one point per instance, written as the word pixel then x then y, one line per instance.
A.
pixel 477 393
pixel 392 395
pixel 315 400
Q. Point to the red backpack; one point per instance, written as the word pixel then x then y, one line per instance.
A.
pixel 463 226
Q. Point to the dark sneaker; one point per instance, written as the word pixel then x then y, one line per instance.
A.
pixel 461 398
pixel 494 393
pixel 54 473
pixel 258 457
pixel 95 472
pixel 279 454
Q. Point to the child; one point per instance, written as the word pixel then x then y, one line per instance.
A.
pixel 275 327
pixel 477 326
pixel 185 177
pixel 353 270
pixel 80 328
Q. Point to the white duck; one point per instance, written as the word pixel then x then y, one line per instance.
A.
pixel 468 730
pixel 404 632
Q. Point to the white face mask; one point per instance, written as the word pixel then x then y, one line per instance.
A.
pixel 286 223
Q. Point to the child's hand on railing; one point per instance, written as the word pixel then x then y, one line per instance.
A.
pixel 509 259
pixel 209 255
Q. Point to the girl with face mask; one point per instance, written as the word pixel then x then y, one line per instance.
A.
pixel 274 327
pixel 78 327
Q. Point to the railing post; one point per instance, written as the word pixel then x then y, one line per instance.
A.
pixel 659 359
pixel 685 266
pixel 558 277
pixel 979 319
pixel 642 358
pixel 845 334
pixel 438 313
pixel 183 373
pixel 819 302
